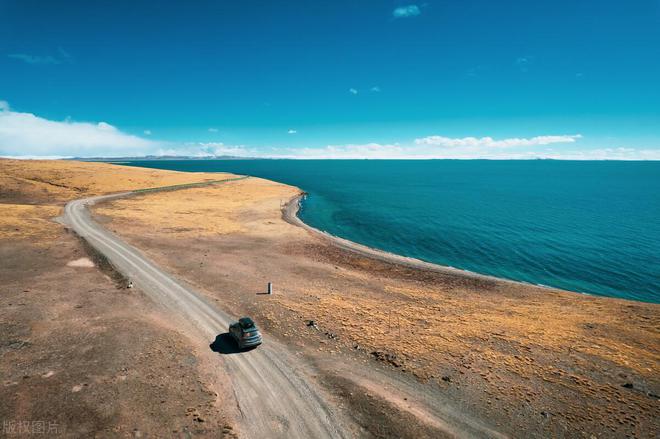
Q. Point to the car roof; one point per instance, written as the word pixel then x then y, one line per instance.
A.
pixel 246 322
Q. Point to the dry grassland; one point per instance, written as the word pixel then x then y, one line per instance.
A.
pixel 32 192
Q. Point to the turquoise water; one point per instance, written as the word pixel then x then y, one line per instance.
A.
pixel 590 227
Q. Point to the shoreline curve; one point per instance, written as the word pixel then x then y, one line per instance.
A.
pixel 290 215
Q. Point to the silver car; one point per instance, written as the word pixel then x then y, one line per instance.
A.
pixel 245 333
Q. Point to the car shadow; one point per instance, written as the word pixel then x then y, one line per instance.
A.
pixel 226 345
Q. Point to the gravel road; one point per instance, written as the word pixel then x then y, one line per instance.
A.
pixel 274 395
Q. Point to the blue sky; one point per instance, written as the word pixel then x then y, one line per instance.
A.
pixel 326 79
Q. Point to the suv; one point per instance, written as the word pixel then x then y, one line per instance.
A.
pixel 245 333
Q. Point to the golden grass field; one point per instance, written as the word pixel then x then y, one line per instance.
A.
pixel 204 211
pixel 32 192
pixel 24 221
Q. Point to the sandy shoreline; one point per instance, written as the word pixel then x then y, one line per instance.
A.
pixel 290 214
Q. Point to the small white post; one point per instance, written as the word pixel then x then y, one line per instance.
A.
pixel 270 288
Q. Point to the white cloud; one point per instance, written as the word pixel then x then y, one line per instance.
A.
pixel 147 132
pixel 208 149
pixel 213 130
pixel 35 59
pixel 620 153
pixel 406 11
pixel 422 152
pixel 374 89
pixel 62 57
pixel 292 132
pixel 25 134
pixel 524 63
pixel 412 151
pixel 368 150
pixel 492 143
pixel 438 147
pixel 474 72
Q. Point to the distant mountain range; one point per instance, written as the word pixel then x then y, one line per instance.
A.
pixel 159 158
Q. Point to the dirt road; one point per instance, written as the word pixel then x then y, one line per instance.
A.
pixel 274 394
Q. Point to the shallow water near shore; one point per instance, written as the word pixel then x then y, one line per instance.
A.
pixel 591 227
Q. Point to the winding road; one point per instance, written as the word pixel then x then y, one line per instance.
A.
pixel 274 396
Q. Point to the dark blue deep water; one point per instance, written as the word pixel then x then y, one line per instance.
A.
pixel 590 227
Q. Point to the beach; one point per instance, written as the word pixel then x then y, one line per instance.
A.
pixel 402 347
pixel 290 215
